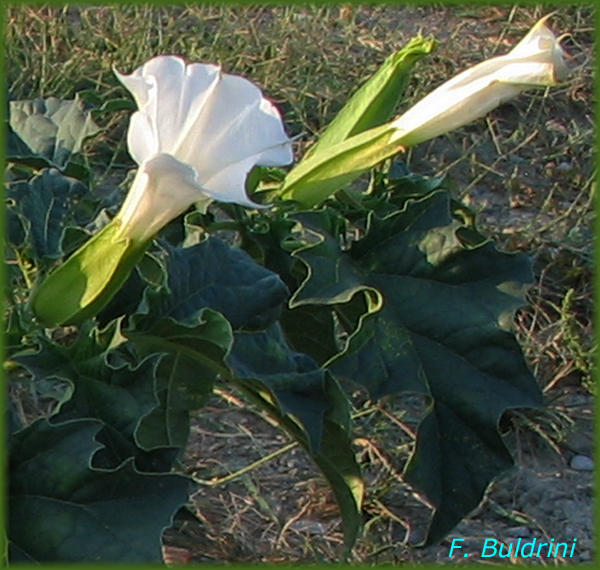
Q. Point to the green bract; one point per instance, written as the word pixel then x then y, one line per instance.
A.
pixel 86 282
pixel 374 103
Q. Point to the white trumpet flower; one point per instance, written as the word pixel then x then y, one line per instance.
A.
pixel 196 135
pixel 537 60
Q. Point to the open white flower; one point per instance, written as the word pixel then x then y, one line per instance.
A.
pixel 196 136
pixel 537 60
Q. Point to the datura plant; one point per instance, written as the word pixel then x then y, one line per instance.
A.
pixel 199 132
pixel 189 284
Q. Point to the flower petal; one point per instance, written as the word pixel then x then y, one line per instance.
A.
pixel 170 94
pixel 138 85
pixel 141 138
pixel 196 136
pixel 541 46
pixel 536 61
pixel 229 183
pixel 166 75
pixel 201 79
pixel 280 153
pixel 235 123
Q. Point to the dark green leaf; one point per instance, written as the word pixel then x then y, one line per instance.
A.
pixel 16 325
pixel 180 388
pixel 311 329
pixel 102 388
pixel 180 320
pixel 195 354
pixel 15 145
pixel 42 207
pixel 294 377
pixel 337 461
pixel 120 399
pixel 86 356
pixel 150 272
pixel 437 322
pixel 212 274
pixel 268 241
pixel 307 402
pixel 61 510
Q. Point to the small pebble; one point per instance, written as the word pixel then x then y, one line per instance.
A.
pixel 582 463
pixel 518 532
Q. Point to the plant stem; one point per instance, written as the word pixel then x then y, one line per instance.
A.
pixel 248 468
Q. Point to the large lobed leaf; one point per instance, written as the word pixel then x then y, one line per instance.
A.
pixel 62 510
pixel 193 356
pixel 116 393
pixel 226 279
pixel 40 209
pixel 182 321
pixel 435 321
pixel 296 380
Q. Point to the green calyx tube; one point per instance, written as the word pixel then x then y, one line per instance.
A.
pixel 85 283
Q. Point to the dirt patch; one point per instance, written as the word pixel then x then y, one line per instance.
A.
pixel 283 511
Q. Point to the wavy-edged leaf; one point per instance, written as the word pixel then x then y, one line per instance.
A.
pixel 297 381
pixel 62 510
pixel 40 208
pixel 182 321
pixel 437 321
pixel 194 356
pixel 89 382
pixel 120 399
pixel 215 275
pixel 52 128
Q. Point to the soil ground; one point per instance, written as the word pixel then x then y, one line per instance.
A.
pixel 282 511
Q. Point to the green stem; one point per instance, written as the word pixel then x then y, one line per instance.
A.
pixel 248 468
